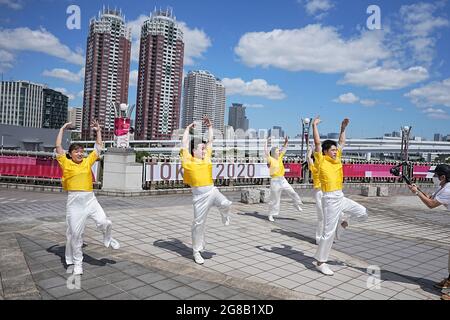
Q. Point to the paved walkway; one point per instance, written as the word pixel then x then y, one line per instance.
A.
pixel 250 259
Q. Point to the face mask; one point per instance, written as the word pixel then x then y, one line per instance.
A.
pixel 436 181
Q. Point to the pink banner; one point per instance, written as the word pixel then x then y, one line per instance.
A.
pixel 29 167
pixel 293 170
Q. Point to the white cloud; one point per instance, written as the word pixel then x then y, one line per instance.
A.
pixel 13 4
pixel 71 96
pixel 312 48
pixel 256 87
pixel 420 20
pixel 368 102
pixel 196 41
pixel 65 74
pixel 351 98
pixel 133 78
pixel 430 95
pixel 25 39
pixel 398 109
pixel 6 60
pixel 379 78
pixel 135 26
pixel 418 23
pixel 80 94
pixel 437 114
pixel 314 7
pixel 347 98
pixel 254 106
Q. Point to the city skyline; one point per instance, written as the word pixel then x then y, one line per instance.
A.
pixel 380 79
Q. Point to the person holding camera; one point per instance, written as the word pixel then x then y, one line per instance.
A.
pixel 441 197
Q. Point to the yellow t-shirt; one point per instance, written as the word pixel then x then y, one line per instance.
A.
pixel 276 166
pixel 197 172
pixel 330 171
pixel 77 177
pixel 315 174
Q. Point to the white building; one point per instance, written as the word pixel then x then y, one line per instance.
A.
pixel 21 103
pixel 75 115
pixel 204 94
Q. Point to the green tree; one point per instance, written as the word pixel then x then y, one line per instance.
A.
pixel 140 155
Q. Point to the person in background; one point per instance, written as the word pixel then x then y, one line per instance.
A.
pixel 278 182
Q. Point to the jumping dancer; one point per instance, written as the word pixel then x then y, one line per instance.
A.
pixel 81 201
pixel 278 182
pixel 328 158
pixel 197 168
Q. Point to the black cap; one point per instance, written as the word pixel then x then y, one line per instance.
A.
pixel 442 170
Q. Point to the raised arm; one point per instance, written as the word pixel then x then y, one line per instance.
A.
pixel 96 126
pixel 316 135
pixel 309 158
pixel 210 131
pixel 266 147
pixel 185 141
pixel 58 144
pixel 284 148
pixel 344 125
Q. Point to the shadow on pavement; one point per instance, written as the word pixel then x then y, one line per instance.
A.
pixel 60 251
pixel 179 247
pixel 295 235
pixel 258 215
pixel 425 284
pixel 298 256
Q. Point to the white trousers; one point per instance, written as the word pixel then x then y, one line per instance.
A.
pixel 334 206
pixel 277 186
pixel 319 228
pixel 202 203
pixel 80 207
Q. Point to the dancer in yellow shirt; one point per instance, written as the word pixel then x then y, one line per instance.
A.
pixel 313 166
pixel 81 201
pixel 197 167
pixel 278 182
pixel 328 158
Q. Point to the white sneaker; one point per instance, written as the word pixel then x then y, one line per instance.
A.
pixel 325 269
pixel 77 270
pixel 271 219
pixel 198 258
pixel 114 244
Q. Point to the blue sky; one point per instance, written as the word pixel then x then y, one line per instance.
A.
pixel 284 59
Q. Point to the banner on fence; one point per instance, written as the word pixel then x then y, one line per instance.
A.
pixel 173 171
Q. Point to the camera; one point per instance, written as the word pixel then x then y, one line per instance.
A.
pixel 395 171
